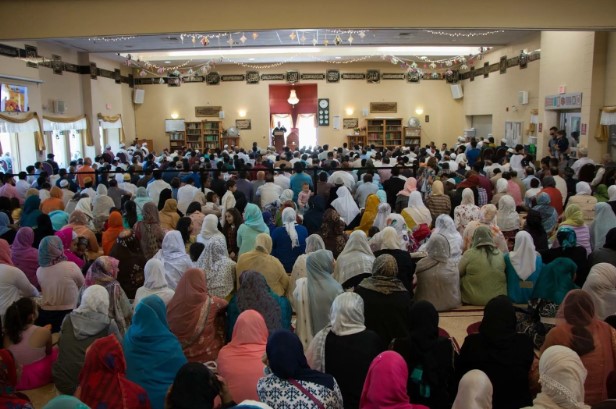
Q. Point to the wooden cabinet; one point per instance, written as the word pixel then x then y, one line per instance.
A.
pixel 194 135
pixel 384 132
pixel 229 140
pixel 176 140
pixel 356 139
pixel 203 135
pixel 412 136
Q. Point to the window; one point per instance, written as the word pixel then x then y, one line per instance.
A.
pixel 307 129
pixel 58 147
pixel 8 144
pixel 75 143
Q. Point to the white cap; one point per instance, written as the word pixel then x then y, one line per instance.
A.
pixel 63 183
pixel 452 156
pixel 107 146
pixel 451 180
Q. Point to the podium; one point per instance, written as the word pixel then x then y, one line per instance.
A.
pixel 293 140
pixel 278 141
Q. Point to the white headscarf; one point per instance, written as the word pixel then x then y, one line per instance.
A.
pixel 173 255
pixel 288 221
pixel 85 206
pixel 383 212
pixel 355 259
pixel 314 242
pixel 418 211
pixel 285 196
pixel 390 239
pixel 562 376
pixel 501 185
pixel 468 197
pixel 209 228
pixel 601 285
pixel 474 392
pixel 507 218
pixel 583 189
pixel 523 258
pixel 444 225
pixel 345 205
pixel 611 193
pixel 95 298
pixel 604 221
pixel 155 283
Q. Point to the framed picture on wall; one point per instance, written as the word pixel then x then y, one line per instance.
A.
pixel 503 64
pixel 208 111
pixel 243 124
pixel 252 77
pixel 333 76
pixel 486 69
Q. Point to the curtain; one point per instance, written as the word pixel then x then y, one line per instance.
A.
pixel 607 118
pixel 77 123
pixel 284 119
pixel 29 122
pixel 307 125
pixel 111 122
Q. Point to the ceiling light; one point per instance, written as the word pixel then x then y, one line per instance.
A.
pixel 338 57
pixel 167 62
pixel 233 52
pixel 251 59
pixel 293 100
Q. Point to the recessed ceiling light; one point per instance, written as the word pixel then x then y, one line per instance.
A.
pixel 337 58
pixel 251 59
pixel 167 62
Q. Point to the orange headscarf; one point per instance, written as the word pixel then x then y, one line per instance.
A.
pixel 54 202
pixel 115 226
pixel 367 219
pixel 184 309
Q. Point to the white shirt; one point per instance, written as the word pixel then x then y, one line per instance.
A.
pixel 129 187
pixel 577 165
pixel 268 193
pixel 67 195
pixel 283 181
pixel 13 285
pixel 22 187
pixel 155 188
pixel 186 195
pixel 561 185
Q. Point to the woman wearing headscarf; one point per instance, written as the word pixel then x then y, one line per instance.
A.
pixel 219 268
pixel 54 202
pixel 59 219
pixel 6 232
pixel 345 348
pixel 149 232
pixel 84 325
pixel 585 200
pixel 24 256
pixel 502 354
pixel 386 300
pixel 289 240
pixel 79 223
pixel 385 386
pixel 534 227
pixel 129 214
pixel 369 214
pixel 578 328
pixel 290 381
pixel 115 226
pixel 562 376
pixel 332 232
pixel 30 212
pixel 313 218
pixel 501 190
pixel 9 377
pixel 253 225
pixel 209 230
pixel 438 202
pixel 446 226
pixel 43 229
pixel 155 283
pixel 345 206
pixel 173 255
pixel 60 282
pixel 194 212
pixel 486 219
pixel 240 361
pixel 507 219
pixel 601 286
pixel 255 294
pixel 141 198
pixel 601 193
pixel 285 200
pixel 604 221
pixel 522 267
pixel 185 227
pixel 402 198
pixel 315 294
pixel 84 205
pixel 165 195
pixel 233 221
pixel 416 213
pixel 482 270
pixel 383 211
pixel 549 215
pixel 104 272
pixel 568 247
pixel 474 391
pixel 607 253
pixel 355 260
pixel 314 242
pixel 126 249
pixel 466 212
pixel 153 354
pixel 429 357
pixel 13 282
pixel 101 205
pixel 196 318
pixel 69 240
pixel 103 381
pixel 438 279
pixel 574 219
pixel 169 215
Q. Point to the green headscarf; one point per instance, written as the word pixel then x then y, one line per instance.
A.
pixel 601 193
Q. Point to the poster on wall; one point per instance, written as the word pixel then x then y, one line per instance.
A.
pixel 13 98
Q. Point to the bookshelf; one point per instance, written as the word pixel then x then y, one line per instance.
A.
pixel 176 140
pixel 229 140
pixel 384 132
pixel 194 135
pixel 412 136
pixel 356 139
pixel 212 134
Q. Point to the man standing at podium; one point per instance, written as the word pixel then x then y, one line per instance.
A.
pixel 279 128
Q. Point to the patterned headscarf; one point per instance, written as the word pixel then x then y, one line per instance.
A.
pixel 255 294
pixel 51 251
pixel 384 276
pixel 567 238
pixel 103 271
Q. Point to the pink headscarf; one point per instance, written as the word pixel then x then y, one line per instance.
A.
pixel 409 187
pixel 66 235
pixel 5 253
pixel 24 256
pixel 385 385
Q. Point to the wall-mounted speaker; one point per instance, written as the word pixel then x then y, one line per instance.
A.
pixel 523 97
pixel 456 91
pixel 139 96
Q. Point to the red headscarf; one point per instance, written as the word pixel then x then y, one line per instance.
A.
pixel 8 380
pixel 184 309
pixel 102 380
pixel 5 253
pixel 385 385
pixel 471 181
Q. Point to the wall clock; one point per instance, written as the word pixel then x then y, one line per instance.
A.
pixel 323 112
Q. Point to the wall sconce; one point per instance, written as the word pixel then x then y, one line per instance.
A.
pixel 242 113
pixel 419 111
pixel 174 115
pixel 349 111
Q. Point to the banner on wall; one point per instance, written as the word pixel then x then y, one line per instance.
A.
pixel 13 98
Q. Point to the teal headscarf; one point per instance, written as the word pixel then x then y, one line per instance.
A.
pixel 59 219
pixel 567 238
pixel 65 402
pixel 254 219
pixel 153 354
pixel 30 212
pixel 555 280
pixel 381 195
pixel 50 251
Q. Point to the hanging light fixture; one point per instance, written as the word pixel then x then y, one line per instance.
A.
pixel 293 100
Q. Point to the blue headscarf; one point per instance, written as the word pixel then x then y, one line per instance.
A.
pixel 30 212
pixel 549 217
pixel 286 358
pixel 59 219
pixel 567 238
pixel 4 223
pixel 50 251
pixel 381 195
pixel 555 280
pixel 254 219
pixel 153 354
pixel 269 220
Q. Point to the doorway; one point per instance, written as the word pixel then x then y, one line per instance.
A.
pixel 299 118
pixel 482 125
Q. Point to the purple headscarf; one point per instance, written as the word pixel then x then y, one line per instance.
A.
pixel 24 256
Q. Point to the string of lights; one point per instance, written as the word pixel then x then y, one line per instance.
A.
pixel 465 35
pixel 110 39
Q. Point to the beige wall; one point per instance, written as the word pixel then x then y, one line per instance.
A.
pixel 446 114
pixel 610 70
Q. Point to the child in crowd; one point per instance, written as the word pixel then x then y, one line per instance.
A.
pixel 303 197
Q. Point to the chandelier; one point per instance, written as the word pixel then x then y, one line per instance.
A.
pixel 293 100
